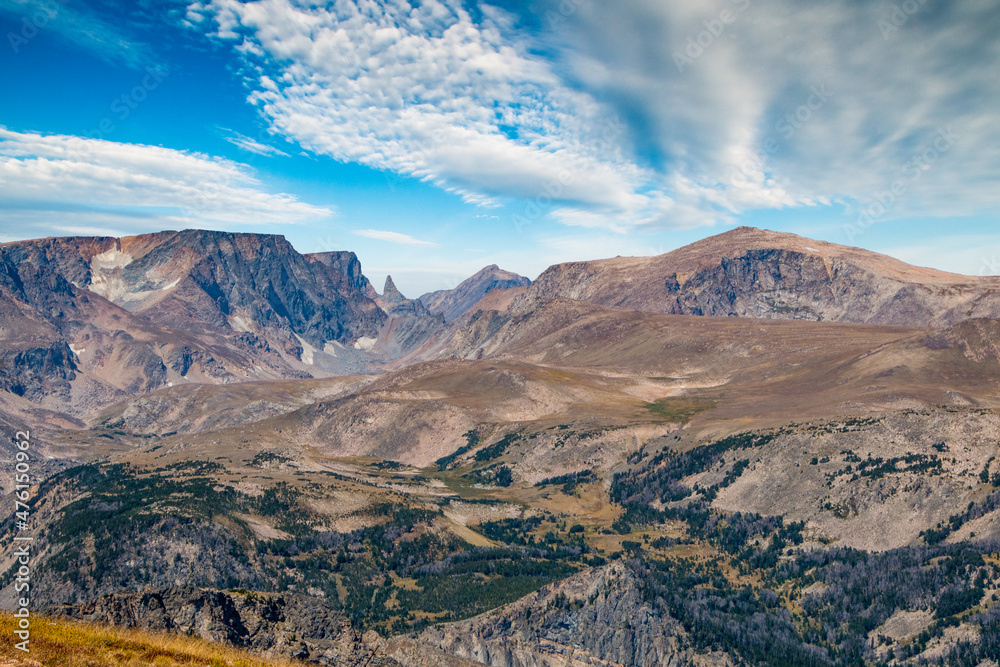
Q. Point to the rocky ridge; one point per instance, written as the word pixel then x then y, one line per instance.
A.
pixel 578 622
pixel 756 273
pixel 466 295
pixel 89 321
pixel 286 626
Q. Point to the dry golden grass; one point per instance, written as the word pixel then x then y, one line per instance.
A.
pixel 73 644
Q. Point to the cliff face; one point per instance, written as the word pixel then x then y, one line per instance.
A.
pixel 290 626
pixel 347 263
pixel 597 617
pixel 204 281
pixel 760 274
pixel 285 626
pixel 410 323
pixel 87 321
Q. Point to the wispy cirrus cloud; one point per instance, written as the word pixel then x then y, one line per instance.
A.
pixel 253 146
pixel 89 182
pixel 393 237
pixel 746 105
pixel 77 24
pixel 649 114
pixel 426 90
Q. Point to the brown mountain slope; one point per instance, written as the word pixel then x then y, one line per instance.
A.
pixel 208 281
pixel 192 408
pixel 756 273
pixel 85 322
pixel 456 302
pixel 574 362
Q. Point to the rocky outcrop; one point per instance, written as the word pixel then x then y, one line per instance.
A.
pixel 456 302
pixel 35 372
pixel 410 323
pixel 347 263
pixel 979 339
pixel 289 626
pixel 85 321
pixel 272 625
pixel 760 274
pixel 597 617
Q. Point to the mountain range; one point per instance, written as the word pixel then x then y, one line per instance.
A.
pixel 719 455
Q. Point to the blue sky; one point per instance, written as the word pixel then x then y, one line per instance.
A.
pixel 436 137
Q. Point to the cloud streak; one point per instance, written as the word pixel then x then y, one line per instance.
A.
pixel 77 25
pixel 393 237
pixel 730 112
pixel 654 115
pixel 89 181
pixel 426 91
pixel 253 146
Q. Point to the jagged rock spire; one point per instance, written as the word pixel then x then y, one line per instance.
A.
pixel 389 292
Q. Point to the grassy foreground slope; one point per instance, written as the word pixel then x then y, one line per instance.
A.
pixel 72 644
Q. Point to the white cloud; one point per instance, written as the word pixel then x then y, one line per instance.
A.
pixel 89 180
pixel 393 237
pixel 789 104
pixel 629 122
pixel 254 146
pixel 424 90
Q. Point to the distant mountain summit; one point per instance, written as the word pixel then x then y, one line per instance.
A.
pixel 390 293
pixel 749 272
pixel 91 319
pixel 347 263
pixel 410 323
pixel 455 302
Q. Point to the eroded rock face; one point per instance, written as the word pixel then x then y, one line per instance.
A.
pixel 456 302
pixel 410 323
pixel 37 371
pixel 597 617
pixel 753 273
pixel 89 320
pixel 293 626
pixel 275 626
pixel 345 262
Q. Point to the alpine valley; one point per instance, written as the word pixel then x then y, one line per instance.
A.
pixel 758 449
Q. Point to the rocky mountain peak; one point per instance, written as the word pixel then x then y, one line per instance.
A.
pixel 389 292
pixel 345 262
pixel 749 272
pixel 455 302
pixel 135 313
